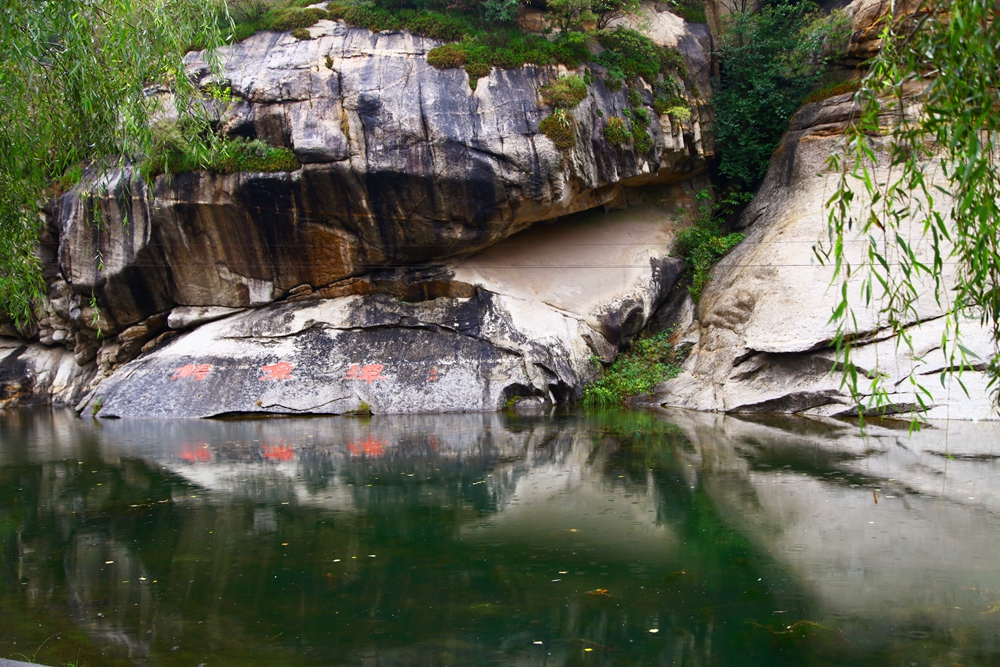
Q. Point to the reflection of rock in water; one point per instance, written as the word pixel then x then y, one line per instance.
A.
pixel 110 593
pixel 488 528
pixel 806 492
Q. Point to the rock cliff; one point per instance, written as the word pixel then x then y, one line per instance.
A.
pixel 761 332
pixel 358 254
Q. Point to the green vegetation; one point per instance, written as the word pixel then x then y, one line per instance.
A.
pixel 616 131
pixel 640 130
pixel 509 48
pixel 73 82
pixel 689 10
pixel 179 148
pixel 681 114
pixel 629 54
pixel 705 242
pixel 565 92
pixel 476 71
pixel 301 34
pixel 951 49
pixel 636 371
pixel 560 128
pixel 666 101
pixel 770 59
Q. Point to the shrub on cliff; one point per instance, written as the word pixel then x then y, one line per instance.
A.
pixel 560 128
pixel 629 54
pixel 180 147
pixel 705 242
pixel 565 92
pixel 617 132
pixel 292 18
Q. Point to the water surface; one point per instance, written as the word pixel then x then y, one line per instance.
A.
pixel 618 538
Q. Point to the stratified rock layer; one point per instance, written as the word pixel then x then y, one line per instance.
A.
pixel 521 320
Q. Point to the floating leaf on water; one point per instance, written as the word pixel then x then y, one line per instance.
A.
pixel 601 592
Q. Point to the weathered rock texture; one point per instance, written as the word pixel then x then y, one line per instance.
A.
pixel 762 329
pixel 403 166
pixel 402 163
pixel 520 320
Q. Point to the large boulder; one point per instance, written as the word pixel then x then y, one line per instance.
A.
pixel 762 331
pixel 522 320
pixel 401 163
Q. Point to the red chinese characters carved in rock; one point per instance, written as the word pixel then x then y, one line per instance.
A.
pixel 194 371
pixel 279 371
pixel 369 372
pixel 433 375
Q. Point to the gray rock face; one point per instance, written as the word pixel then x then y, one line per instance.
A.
pixel 518 320
pixel 403 166
pixel 402 163
pixel 185 317
pixel 762 332
pixel 35 373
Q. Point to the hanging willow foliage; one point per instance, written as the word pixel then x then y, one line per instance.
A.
pixel 74 76
pixel 930 113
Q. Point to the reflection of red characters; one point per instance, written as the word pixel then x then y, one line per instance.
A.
pixel 197 371
pixel 279 371
pixel 278 453
pixel 369 372
pixel 197 456
pixel 369 447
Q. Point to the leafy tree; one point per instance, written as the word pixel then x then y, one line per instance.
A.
pixel 609 10
pixel 770 59
pixel 500 11
pixel 73 82
pixel 929 109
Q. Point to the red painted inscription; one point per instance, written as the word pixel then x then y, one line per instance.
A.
pixel 279 371
pixel 195 371
pixel 369 372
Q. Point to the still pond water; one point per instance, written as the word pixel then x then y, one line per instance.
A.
pixel 619 538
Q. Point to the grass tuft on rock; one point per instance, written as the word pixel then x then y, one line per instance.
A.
pixel 560 128
pixel 636 371
pixel 617 132
pixel 175 151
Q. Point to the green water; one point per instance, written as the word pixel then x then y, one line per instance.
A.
pixel 620 538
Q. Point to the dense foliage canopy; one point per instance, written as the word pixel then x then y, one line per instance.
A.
pixel 770 59
pixel 930 118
